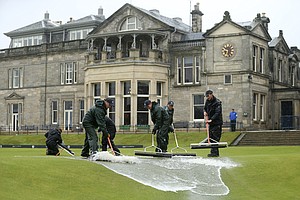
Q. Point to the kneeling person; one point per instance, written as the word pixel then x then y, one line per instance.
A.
pixel 53 139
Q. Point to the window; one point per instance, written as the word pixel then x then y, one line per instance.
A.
pixel 198 103
pixel 96 90
pixel 262 107
pixel 159 89
pixel 292 75
pixel 111 94
pixel 130 23
pixel 111 89
pixel 261 60
pixel 68 115
pixel 159 86
pixel 79 34
pixel 188 69
pixel 279 71
pixel 81 111
pixel 227 79
pixel 126 102
pixel 68 73
pixel 27 41
pixel 54 112
pixel 179 70
pixel 143 95
pixel 254 106
pixel 254 57
pixel 197 69
pixel 15 78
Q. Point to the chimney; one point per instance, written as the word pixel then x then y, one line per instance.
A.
pixel 178 19
pixel 100 11
pixel 196 19
pixel 265 20
pixel 280 33
pixel 46 16
pixel 155 11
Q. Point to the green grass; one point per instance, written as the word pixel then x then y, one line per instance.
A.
pixel 266 173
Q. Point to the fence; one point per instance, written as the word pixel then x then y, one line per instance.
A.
pixel 289 122
pixel 179 125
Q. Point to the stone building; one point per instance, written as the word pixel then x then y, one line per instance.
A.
pixel 53 72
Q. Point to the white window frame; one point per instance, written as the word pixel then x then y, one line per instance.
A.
pixel 54 112
pixel 280 70
pixel 198 105
pixel 261 60
pixel 94 89
pixel 254 58
pixel 187 68
pixel 125 25
pixel 15 77
pixel 68 73
pixel 79 34
pixel 81 111
pixel 197 69
pixel 179 70
pixel 226 75
pixel 262 107
pixel 254 105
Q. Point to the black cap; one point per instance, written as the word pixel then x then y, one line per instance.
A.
pixel 171 103
pixel 146 103
pixel 208 92
pixel 110 101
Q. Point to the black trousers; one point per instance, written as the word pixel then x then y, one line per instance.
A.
pixel 52 148
pixel 215 132
pixel 233 124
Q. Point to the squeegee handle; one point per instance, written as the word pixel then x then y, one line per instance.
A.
pixel 207 131
pixel 108 139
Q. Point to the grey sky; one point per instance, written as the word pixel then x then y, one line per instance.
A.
pixel 283 15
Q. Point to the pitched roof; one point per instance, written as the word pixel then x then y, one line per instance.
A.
pixel 173 22
pixel 40 25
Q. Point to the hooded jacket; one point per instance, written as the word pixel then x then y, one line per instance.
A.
pixel 53 137
pixel 213 108
pixel 159 116
pixel 95 117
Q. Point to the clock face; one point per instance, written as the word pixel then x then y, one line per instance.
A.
pixel 227 50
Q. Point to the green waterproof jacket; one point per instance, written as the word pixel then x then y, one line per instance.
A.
pixel 159 116
pixel 95 117
pixel 171 114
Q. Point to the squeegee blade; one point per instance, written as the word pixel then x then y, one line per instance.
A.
pixel 184 154
pixel 209 145
pixel 153 154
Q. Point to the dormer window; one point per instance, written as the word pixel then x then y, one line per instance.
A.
pixel 130 23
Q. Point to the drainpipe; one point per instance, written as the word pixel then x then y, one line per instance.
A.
pixel 46 75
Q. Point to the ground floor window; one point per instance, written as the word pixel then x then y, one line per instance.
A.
pixel 198 106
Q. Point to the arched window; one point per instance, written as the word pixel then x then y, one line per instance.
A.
pixel 130 23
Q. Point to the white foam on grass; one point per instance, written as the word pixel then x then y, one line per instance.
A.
pixel 196 174
pixel 106 156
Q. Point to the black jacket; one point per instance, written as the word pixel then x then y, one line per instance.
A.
pixel 95 117
pixel 53 137
pixel 159 116
pixel 213 108
pixel 171 114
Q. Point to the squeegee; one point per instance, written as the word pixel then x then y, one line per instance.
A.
pixel 208 142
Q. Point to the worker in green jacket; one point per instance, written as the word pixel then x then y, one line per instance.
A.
pixel 160 119
pixel 94 119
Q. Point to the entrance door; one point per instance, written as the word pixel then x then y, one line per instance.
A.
pixel 68 115
pixel 287 115
pixel 15 117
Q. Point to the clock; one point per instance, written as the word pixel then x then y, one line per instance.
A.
pixel 227 50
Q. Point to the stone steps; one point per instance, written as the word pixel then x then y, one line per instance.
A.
pixel 267 138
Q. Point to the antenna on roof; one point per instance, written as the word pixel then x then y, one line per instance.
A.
pixel 190 23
